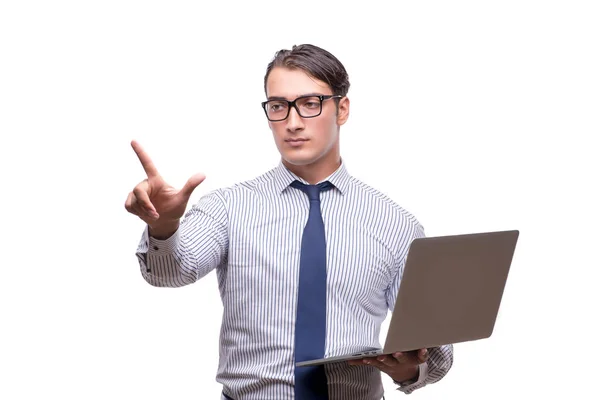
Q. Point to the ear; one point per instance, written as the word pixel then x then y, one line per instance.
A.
pixel 343 111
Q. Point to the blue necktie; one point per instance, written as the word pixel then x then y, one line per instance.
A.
pixel 311 382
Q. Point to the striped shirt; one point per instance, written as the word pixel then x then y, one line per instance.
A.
pixel 251 234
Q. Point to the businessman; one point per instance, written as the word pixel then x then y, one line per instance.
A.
pixel 308 258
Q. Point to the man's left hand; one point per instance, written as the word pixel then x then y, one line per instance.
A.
pixel 399 366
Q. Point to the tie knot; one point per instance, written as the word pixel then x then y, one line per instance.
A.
pixel 313 191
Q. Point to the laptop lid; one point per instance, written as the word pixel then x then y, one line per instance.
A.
pixel 451 290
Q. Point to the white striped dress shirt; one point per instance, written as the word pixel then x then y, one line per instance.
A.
pixel 251 234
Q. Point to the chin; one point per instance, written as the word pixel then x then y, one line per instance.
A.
pixel 305 156
pixel 295 160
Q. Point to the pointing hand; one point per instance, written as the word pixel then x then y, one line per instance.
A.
pixel 153 200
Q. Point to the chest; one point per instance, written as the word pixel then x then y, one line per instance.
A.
pixel 265 247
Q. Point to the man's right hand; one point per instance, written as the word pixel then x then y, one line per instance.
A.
pixel 158 204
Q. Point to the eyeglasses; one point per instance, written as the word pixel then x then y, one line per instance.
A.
pixel 306 106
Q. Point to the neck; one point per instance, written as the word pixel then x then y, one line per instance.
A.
pixel 317 171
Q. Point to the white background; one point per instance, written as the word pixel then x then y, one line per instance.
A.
pixel 473 115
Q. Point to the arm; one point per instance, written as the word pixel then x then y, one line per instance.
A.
pixel 174 251
pixel 198 245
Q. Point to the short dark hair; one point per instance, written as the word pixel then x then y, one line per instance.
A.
pixel 316 62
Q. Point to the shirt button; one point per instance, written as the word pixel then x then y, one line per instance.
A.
pixel 155 247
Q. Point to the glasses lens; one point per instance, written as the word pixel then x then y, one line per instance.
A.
pixel 309 106
pixel 276 110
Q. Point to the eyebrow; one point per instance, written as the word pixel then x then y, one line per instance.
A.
pixel 302 95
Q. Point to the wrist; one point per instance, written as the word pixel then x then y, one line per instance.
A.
pixel 411 376
pixel 164 229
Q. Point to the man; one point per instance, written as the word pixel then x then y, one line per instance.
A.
pixel 308 258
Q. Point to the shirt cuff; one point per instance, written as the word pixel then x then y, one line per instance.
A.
pixel 157 247
pixel 423 370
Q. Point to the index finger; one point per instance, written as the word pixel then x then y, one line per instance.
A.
pixel 144 159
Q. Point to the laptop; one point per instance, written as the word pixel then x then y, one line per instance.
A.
pixel 450 292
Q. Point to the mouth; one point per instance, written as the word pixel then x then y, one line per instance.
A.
pixel 296 140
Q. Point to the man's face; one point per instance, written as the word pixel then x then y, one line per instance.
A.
pixel 305 141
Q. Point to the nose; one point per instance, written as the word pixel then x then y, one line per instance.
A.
pixel 294 122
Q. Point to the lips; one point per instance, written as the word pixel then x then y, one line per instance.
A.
pixel 296 140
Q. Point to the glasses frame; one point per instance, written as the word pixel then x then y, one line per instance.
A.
pixel 293 104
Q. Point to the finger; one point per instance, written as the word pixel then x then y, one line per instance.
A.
pixel 192 184
pixel 388 360
pixel 143 200
pixel 359 361
pixel 143 211
pixel 134 207
pixel 129 202
pixel 374 362
pixel 144 158
pixel 137 209
pixel 423 356
pixel 402 358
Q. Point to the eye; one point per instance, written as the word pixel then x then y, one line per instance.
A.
pixel 311 104
pixel 277 106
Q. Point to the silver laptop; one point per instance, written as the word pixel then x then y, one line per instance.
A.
pixel 450 292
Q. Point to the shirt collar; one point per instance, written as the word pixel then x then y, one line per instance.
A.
pixel 284 177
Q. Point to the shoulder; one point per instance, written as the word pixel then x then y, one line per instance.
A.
pixel 385 219
pixel 220 203
pixel 244 189
pixel 379 203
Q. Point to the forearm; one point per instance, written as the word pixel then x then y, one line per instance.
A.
pixel 197 246
pixel 160 261
pixel 439 363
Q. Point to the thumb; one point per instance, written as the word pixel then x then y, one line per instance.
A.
pixel 191 184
